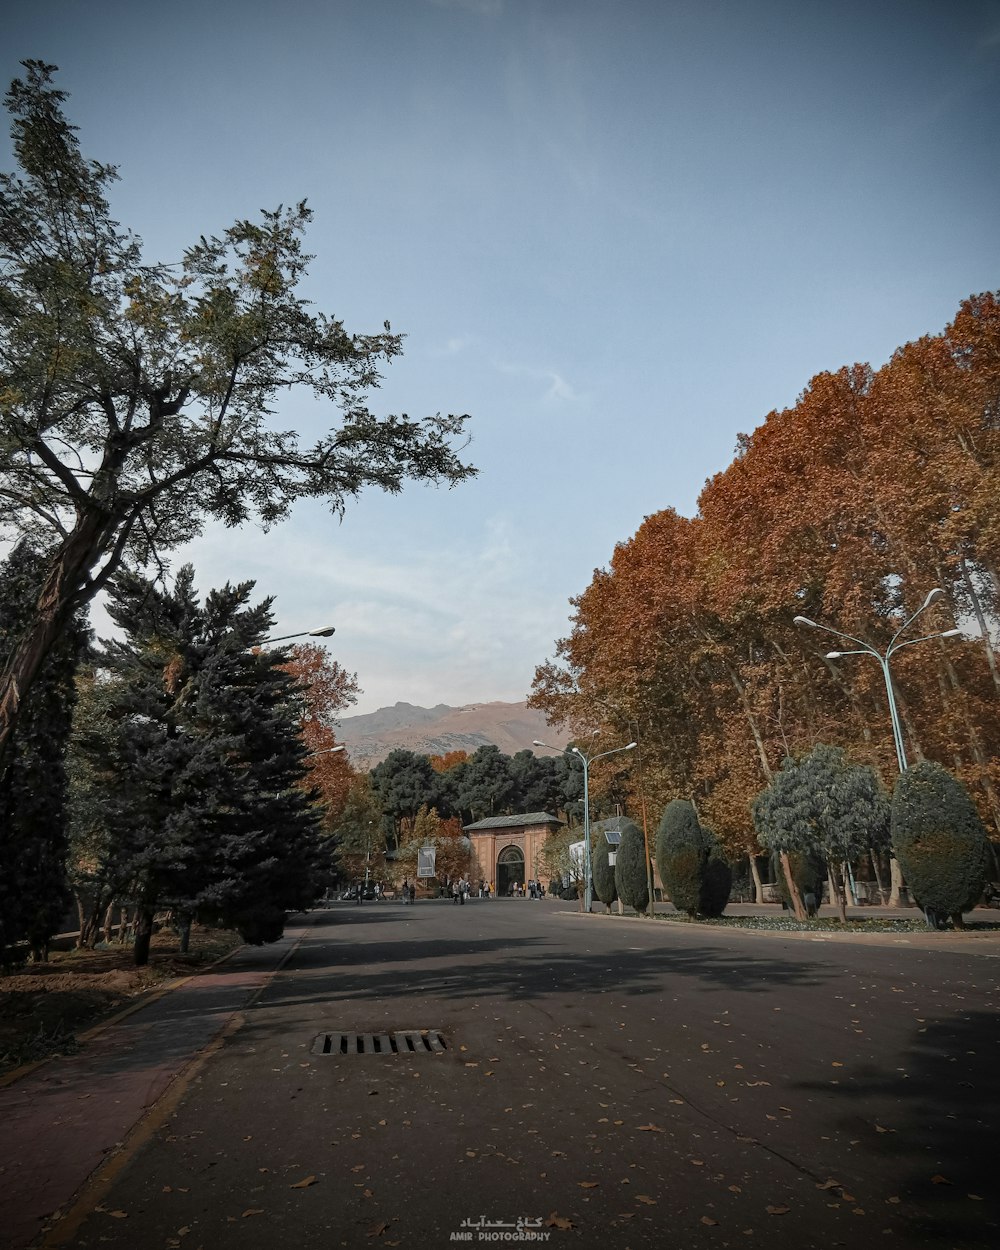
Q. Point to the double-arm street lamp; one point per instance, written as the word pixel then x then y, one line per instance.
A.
pixel 588 873
pixel 883 657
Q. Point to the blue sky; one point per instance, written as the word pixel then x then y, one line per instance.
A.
pixel 617 233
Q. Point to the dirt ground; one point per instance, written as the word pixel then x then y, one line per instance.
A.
pixel 44 1006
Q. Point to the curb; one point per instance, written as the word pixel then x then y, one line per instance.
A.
pixel 144 1000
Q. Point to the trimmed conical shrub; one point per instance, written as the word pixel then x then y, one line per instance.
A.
pixel 630 868
pixel 939 840
pixel 693 871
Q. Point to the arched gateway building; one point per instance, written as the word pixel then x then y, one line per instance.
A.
pixel 509 847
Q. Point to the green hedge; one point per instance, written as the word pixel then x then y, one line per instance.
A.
pixel 630 867
pixel 693 871
pixel 939 840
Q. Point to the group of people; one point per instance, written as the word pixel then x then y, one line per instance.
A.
pixel 535 889
pixel 408 891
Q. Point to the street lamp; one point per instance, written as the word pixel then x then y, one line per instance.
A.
pixel 324 632
pixel 588 874
pixel 865 648
pixel 325 751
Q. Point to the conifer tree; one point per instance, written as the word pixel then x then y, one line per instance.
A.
pixel 631 880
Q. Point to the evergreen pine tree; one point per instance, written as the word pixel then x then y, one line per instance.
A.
pixel 691 866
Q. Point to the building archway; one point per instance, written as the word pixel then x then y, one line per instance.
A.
pixel 510 869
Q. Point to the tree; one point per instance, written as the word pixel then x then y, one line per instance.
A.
pixel 402 784
pixel 487 784
pixel 202 804
pixel 326 690
pixel 34 895
pixel 823 805
pixel 136 399
pixel 940 841
pixel 631 880
pixel 694 874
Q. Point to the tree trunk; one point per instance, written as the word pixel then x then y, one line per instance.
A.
pixel 878 878
pixel 758 888
pixel 837 891
pixel 798 907
pixel 143 935
pixel 896 882
pixel 64 590
pixel 977 608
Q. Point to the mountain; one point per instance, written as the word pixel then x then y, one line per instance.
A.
pixel 435 730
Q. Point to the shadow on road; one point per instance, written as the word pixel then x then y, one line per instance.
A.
pixel 933 1112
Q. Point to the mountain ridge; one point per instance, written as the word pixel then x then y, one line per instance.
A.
pixel 511 727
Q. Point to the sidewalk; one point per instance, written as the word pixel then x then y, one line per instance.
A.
pixel 63 1118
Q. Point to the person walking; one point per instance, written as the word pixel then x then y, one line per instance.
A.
pixel 406 890
pixel 413 892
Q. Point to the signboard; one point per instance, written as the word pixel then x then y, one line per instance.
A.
pixel 426 859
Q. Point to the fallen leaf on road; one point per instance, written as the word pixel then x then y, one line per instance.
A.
pixel 835 1064
pixel 754 1084
pixel 587 1184
pixel 974 1197
pixel 559 1221
pixel 831 1184
pixel 935 1180
pixel 358 1167
pixel 118 1215
pixel 880 1129
pixel 650 1128
pixel 304 1184
pixel 778 1210
pixel 894 1201
pixel 378 1229
pixel 698 1163
pixel 253 1211
pixel 650 1202
pixel 707 1219
pixel 735 1189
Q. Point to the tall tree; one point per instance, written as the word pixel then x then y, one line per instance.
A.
pixel 136 399
pixel 34 893
pixel 202 774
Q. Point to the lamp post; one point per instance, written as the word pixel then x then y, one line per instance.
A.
pixel 323 632
pixel 588 875
pixel 865 648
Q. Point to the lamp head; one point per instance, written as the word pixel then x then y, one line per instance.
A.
pixel 833 655
pixel 804 620
pixel 325 632
pixel 933 596
pixel 951 633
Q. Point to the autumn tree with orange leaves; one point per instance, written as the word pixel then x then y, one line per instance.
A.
pixel 846 508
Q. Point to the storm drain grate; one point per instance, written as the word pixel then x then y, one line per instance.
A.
pixel 410 1042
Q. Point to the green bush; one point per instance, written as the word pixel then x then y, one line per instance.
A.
pixel 693 871
pixel 631 881
pixel 939 840
pixel 604 874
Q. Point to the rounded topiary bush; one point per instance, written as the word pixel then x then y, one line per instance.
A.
pixel 716 885
pixel 604 874
pixel 630 867
pixel 939 839
pixel 693 870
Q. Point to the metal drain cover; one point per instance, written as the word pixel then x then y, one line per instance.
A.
pixel 402 1042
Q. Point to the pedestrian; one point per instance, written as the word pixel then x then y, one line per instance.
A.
pixel 406 890
pixel 413 891
pixel 455 891
pixel 358 891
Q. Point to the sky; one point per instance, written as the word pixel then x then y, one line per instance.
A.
pixel 617 233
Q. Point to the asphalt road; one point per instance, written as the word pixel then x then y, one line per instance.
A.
pixel 611 1082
